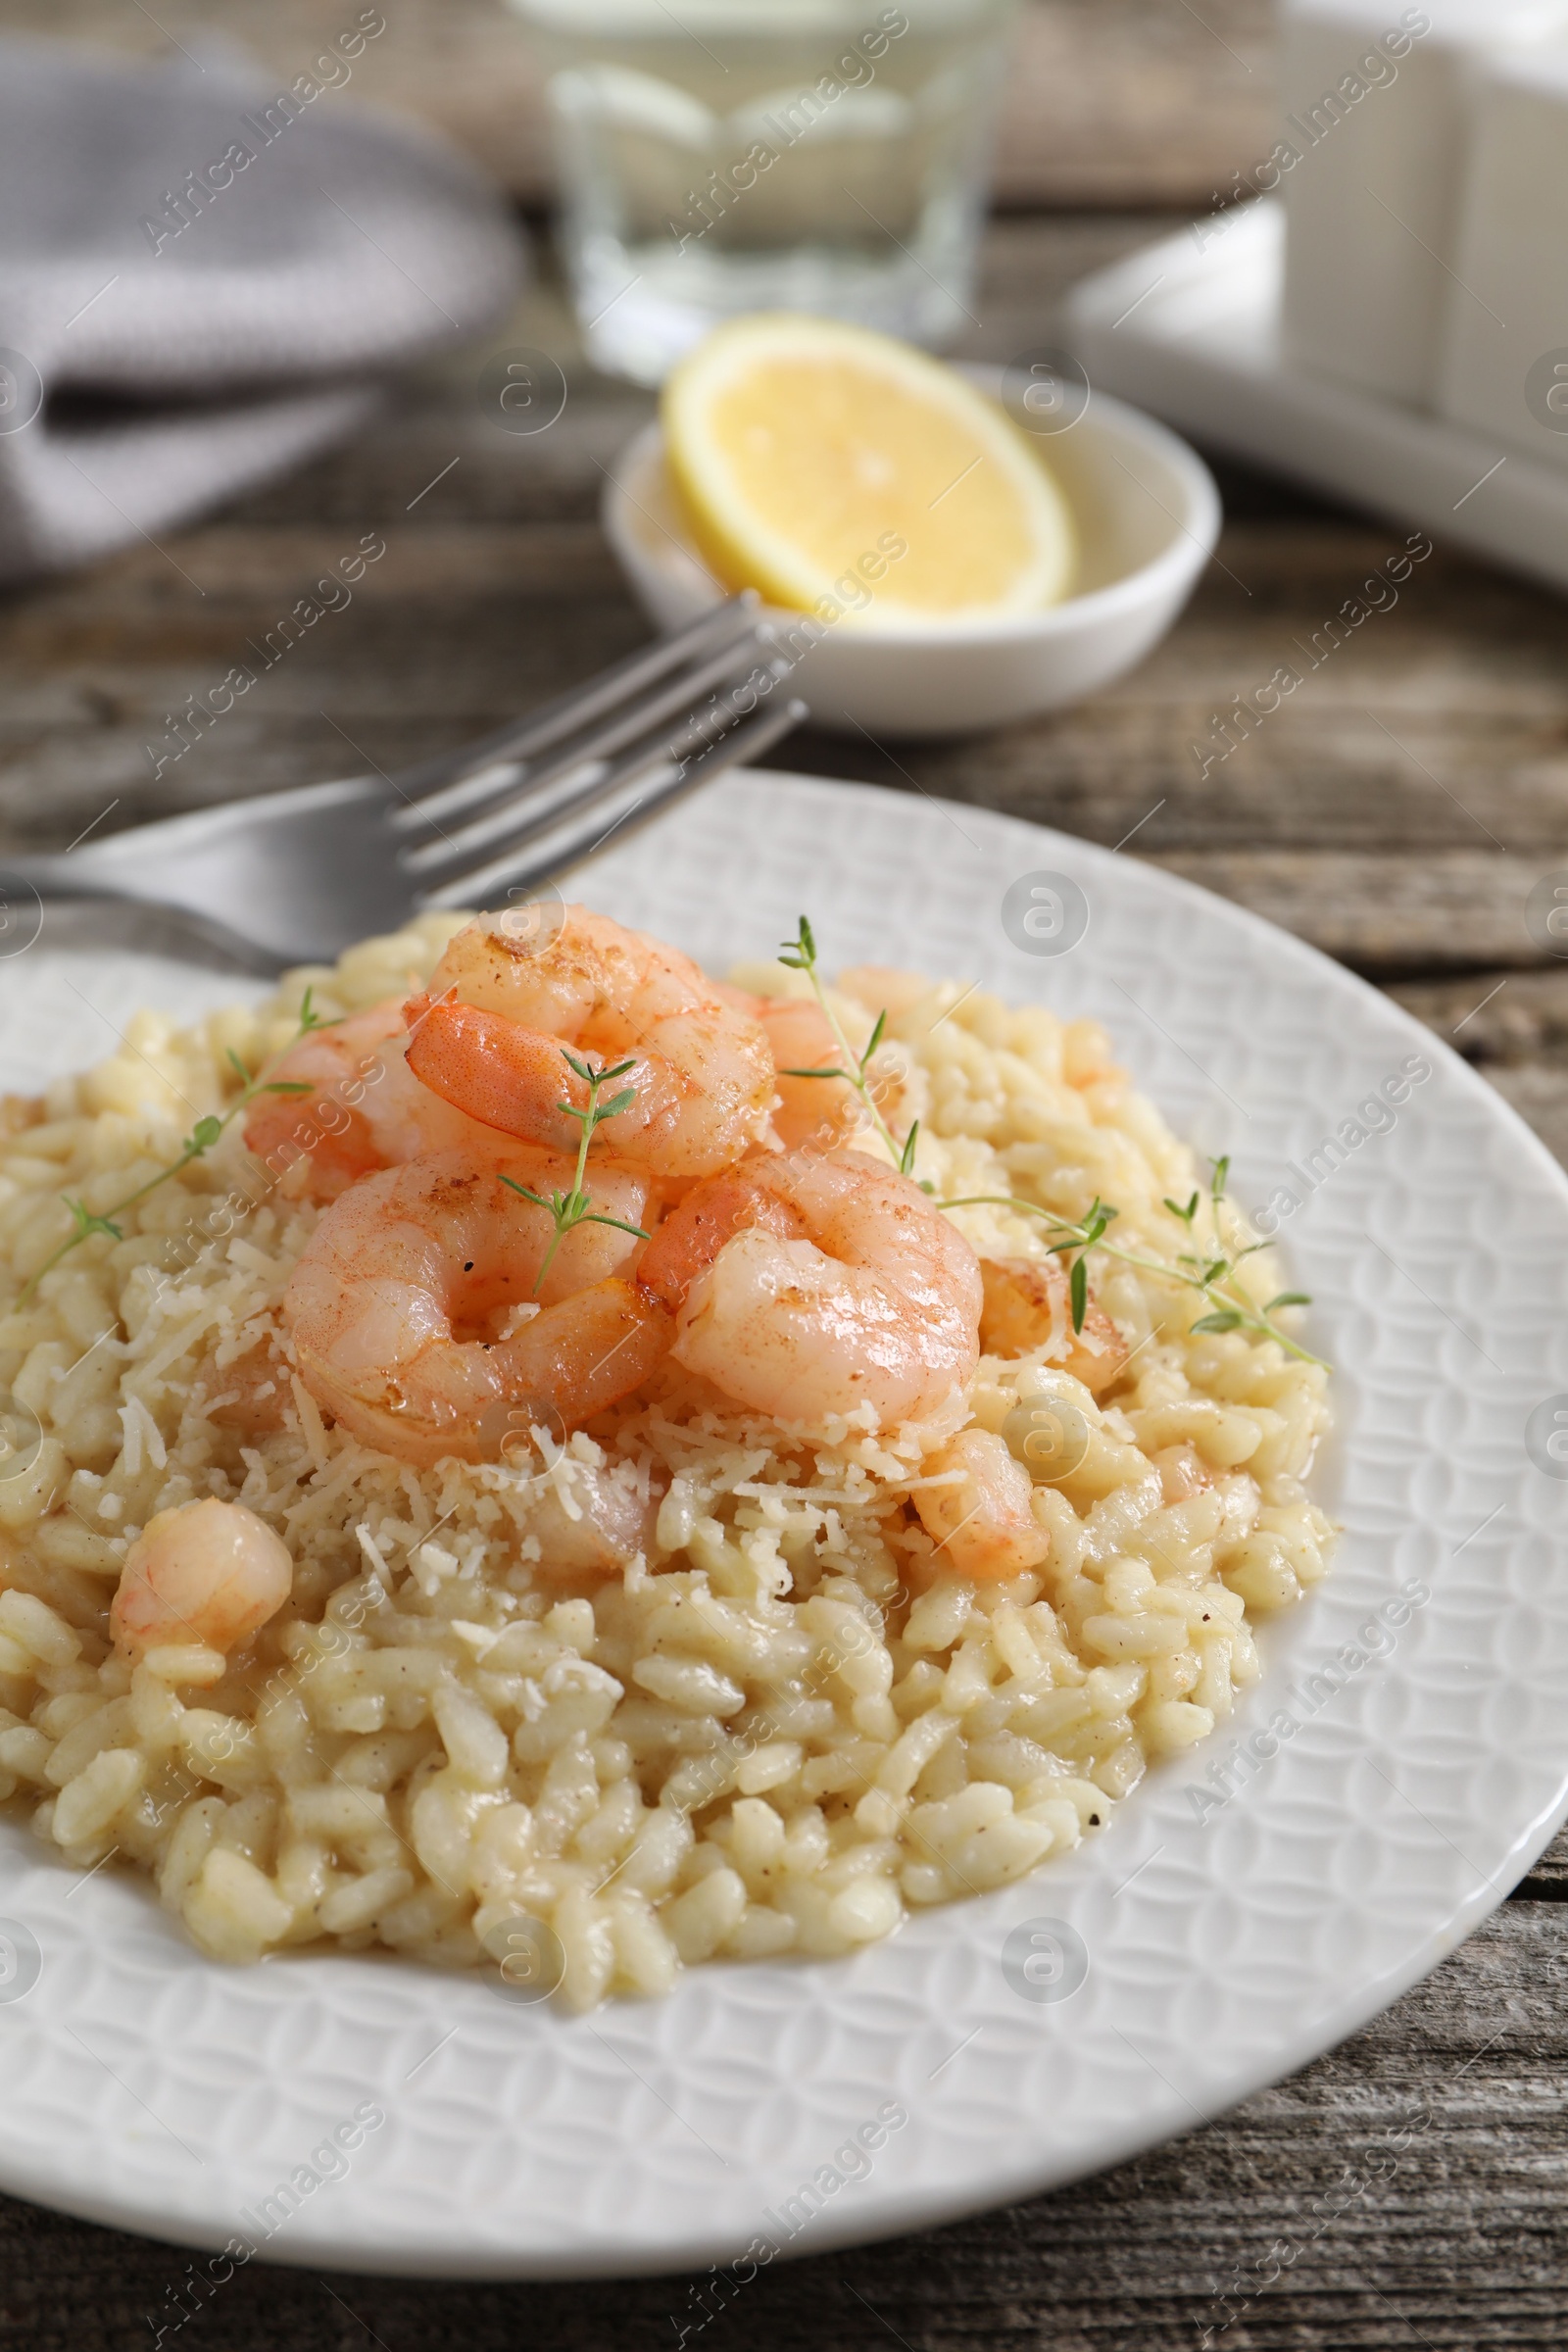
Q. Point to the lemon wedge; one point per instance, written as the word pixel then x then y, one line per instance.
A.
pixel 843 474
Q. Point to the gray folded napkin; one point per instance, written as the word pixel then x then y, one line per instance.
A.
pixel 202 275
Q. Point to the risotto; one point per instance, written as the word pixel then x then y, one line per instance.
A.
pixel 688 1680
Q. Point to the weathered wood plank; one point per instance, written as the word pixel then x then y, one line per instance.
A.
pixel 458 626
pixel 1396 810
pixel 1407 2188
pixel 1438 727
pixel 1523 1018
pixel 1434 731
pixel 1547 1880
pixel 1108 101
pixel 1513 1026
pixel 1388 912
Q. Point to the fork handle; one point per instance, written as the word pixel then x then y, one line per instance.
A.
pixel 50 878
pixel 51 875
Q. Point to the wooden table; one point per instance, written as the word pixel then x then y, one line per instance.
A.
pixel 1396 811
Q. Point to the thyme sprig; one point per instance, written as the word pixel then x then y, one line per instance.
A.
pixel 1211 1273
pixel 200 1140
pixel 575 1205
pixel 799 955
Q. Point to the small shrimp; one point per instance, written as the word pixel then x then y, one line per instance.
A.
pixel 881 988
pixel 365 1108
pixel 488 1037
pixel 982 1522
pixel 813 1283
pixel 817 1111
pixel 1183 1472
pixel 397 1306
pixel 1028 1305
pixel 814 1112
pixel 209 1573
pixel 250 1394
pixel 610 1519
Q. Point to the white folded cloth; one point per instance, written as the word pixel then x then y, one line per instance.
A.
pixel 204 276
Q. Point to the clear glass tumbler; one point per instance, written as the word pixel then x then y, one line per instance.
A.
pixel 722 156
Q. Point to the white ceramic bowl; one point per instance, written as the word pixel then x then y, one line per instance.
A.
pixel 1147 512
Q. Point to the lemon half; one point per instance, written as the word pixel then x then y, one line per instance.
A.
pixel 842 472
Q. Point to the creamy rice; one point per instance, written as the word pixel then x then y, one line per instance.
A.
pixel 777 1726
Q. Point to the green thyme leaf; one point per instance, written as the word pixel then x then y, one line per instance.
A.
pixel 87 1223
pixel 1213 1278
pixel 575 1206
pixel 202 1136
pixel 799 954
pixel 537 1198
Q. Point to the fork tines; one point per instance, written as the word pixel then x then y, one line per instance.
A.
pixel 628 796
pixel 549 790
pixel 438 790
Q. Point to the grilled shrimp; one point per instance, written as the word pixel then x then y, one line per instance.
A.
pixel 811 1283
pixel 819 1112
pixel 399 1304
pixel 488 1037
pixel 981 1519
pixel 364 1109
pixel 208 1572
pixel 1028 1305
pixel 250 1394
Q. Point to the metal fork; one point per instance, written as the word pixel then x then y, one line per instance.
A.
pixel 295 877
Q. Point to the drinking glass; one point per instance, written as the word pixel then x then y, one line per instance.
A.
pixel 722 156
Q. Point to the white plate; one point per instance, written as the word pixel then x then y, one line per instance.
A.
pixel 1190 328
pixel 1147 516
pixel 147 2087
